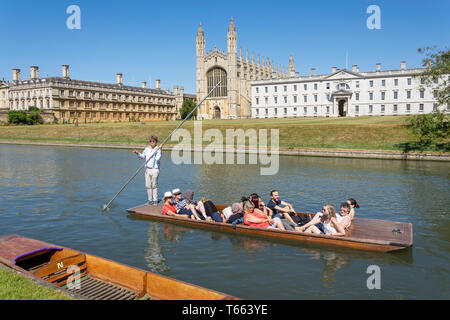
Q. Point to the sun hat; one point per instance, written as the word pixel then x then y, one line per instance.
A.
pixel 176 191
pixel 236 208
pixel 168 194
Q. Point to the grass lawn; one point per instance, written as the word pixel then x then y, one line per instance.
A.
pixel 367 133
pixel 15 286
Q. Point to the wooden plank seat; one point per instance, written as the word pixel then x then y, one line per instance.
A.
pixel 59 271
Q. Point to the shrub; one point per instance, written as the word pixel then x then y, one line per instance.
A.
pixel 431 128
pixel 17 117
pixel 33 109
pixel 22 117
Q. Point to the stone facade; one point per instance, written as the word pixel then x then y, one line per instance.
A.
pixel 4 104
pixel 233 98
pixel 345 93
pixel 86 101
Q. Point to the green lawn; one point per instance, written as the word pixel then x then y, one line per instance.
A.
pixel 367 133
pixel 15 286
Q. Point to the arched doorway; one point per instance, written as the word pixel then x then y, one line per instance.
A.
pixel 216 112
pixel 341 108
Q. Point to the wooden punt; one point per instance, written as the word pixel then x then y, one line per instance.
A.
pixel 364 234
pixel 98 278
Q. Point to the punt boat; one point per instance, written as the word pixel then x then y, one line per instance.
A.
pixel 85 276
pixel 364 234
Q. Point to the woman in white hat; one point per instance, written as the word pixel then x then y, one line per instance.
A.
pixel 169 208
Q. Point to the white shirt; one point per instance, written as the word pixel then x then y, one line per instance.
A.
pixel 152 157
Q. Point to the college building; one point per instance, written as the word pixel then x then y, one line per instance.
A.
pixel 345 93
pixel 73 100
pixel 233 98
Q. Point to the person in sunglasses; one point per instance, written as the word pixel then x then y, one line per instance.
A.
pixel 329 221
pixel 152 156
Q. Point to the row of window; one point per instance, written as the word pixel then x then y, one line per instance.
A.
pixel 29 94
pixel 113 115
pixel 395 96
pixel 356 109
pixel 22 105
pixel 114 96
pixel 382 82
pixel 114 106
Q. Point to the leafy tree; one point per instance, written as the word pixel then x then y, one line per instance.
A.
pixel 431 129
pixel 22 117
pixel 33 109
pixel 437 66
pixel 17 117
pixel 187 107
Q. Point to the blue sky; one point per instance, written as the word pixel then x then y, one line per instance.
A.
pixel 146 40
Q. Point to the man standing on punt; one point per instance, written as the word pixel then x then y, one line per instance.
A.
pixel 152 156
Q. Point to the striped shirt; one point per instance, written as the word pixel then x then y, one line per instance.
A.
pixel 180 204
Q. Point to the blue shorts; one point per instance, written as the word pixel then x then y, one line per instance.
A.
pixel 185 212
pixel 216 217
pixel 320 227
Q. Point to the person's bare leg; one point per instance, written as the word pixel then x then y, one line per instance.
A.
pixel 194 212
pixel 281 226
pixel 200 207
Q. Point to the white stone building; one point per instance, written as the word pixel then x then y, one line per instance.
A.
pixel 344 93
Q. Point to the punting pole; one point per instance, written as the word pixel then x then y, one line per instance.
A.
pixel 106 206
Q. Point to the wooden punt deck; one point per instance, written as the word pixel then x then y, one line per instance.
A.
pixel 86 276
pixel 364 234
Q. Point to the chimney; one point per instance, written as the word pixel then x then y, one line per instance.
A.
pixel 65 71
pixel 158 84
pixel 175 90
pixel 16 74
pixel 354 68
pixel 143 84
pixel 119 78
pixel 313 71
pixel 168 90
pixel 378 66
pixel 333 70
pixel 34 72
pixel 403 64
pixel 181 91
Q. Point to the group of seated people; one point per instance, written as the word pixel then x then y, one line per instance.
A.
pixel 252 211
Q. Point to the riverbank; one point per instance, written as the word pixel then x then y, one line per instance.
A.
pixel 14 286
pixel 338 153
pixel 362 137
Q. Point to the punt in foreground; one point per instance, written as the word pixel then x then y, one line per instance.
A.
pixel 98 278
pixel 364 234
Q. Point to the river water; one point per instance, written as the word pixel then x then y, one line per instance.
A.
pixel 55 194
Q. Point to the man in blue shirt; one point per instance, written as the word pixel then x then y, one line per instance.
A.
pixel 282 210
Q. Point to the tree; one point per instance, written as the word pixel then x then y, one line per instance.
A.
pixel 187 107
pixel 437 66
pixel 431 129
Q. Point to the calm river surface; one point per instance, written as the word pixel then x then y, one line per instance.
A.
pixel 55 194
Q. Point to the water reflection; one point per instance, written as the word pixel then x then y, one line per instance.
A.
pixel 55 193
pixel 154 254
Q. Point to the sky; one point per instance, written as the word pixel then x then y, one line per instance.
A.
pixel 149 40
